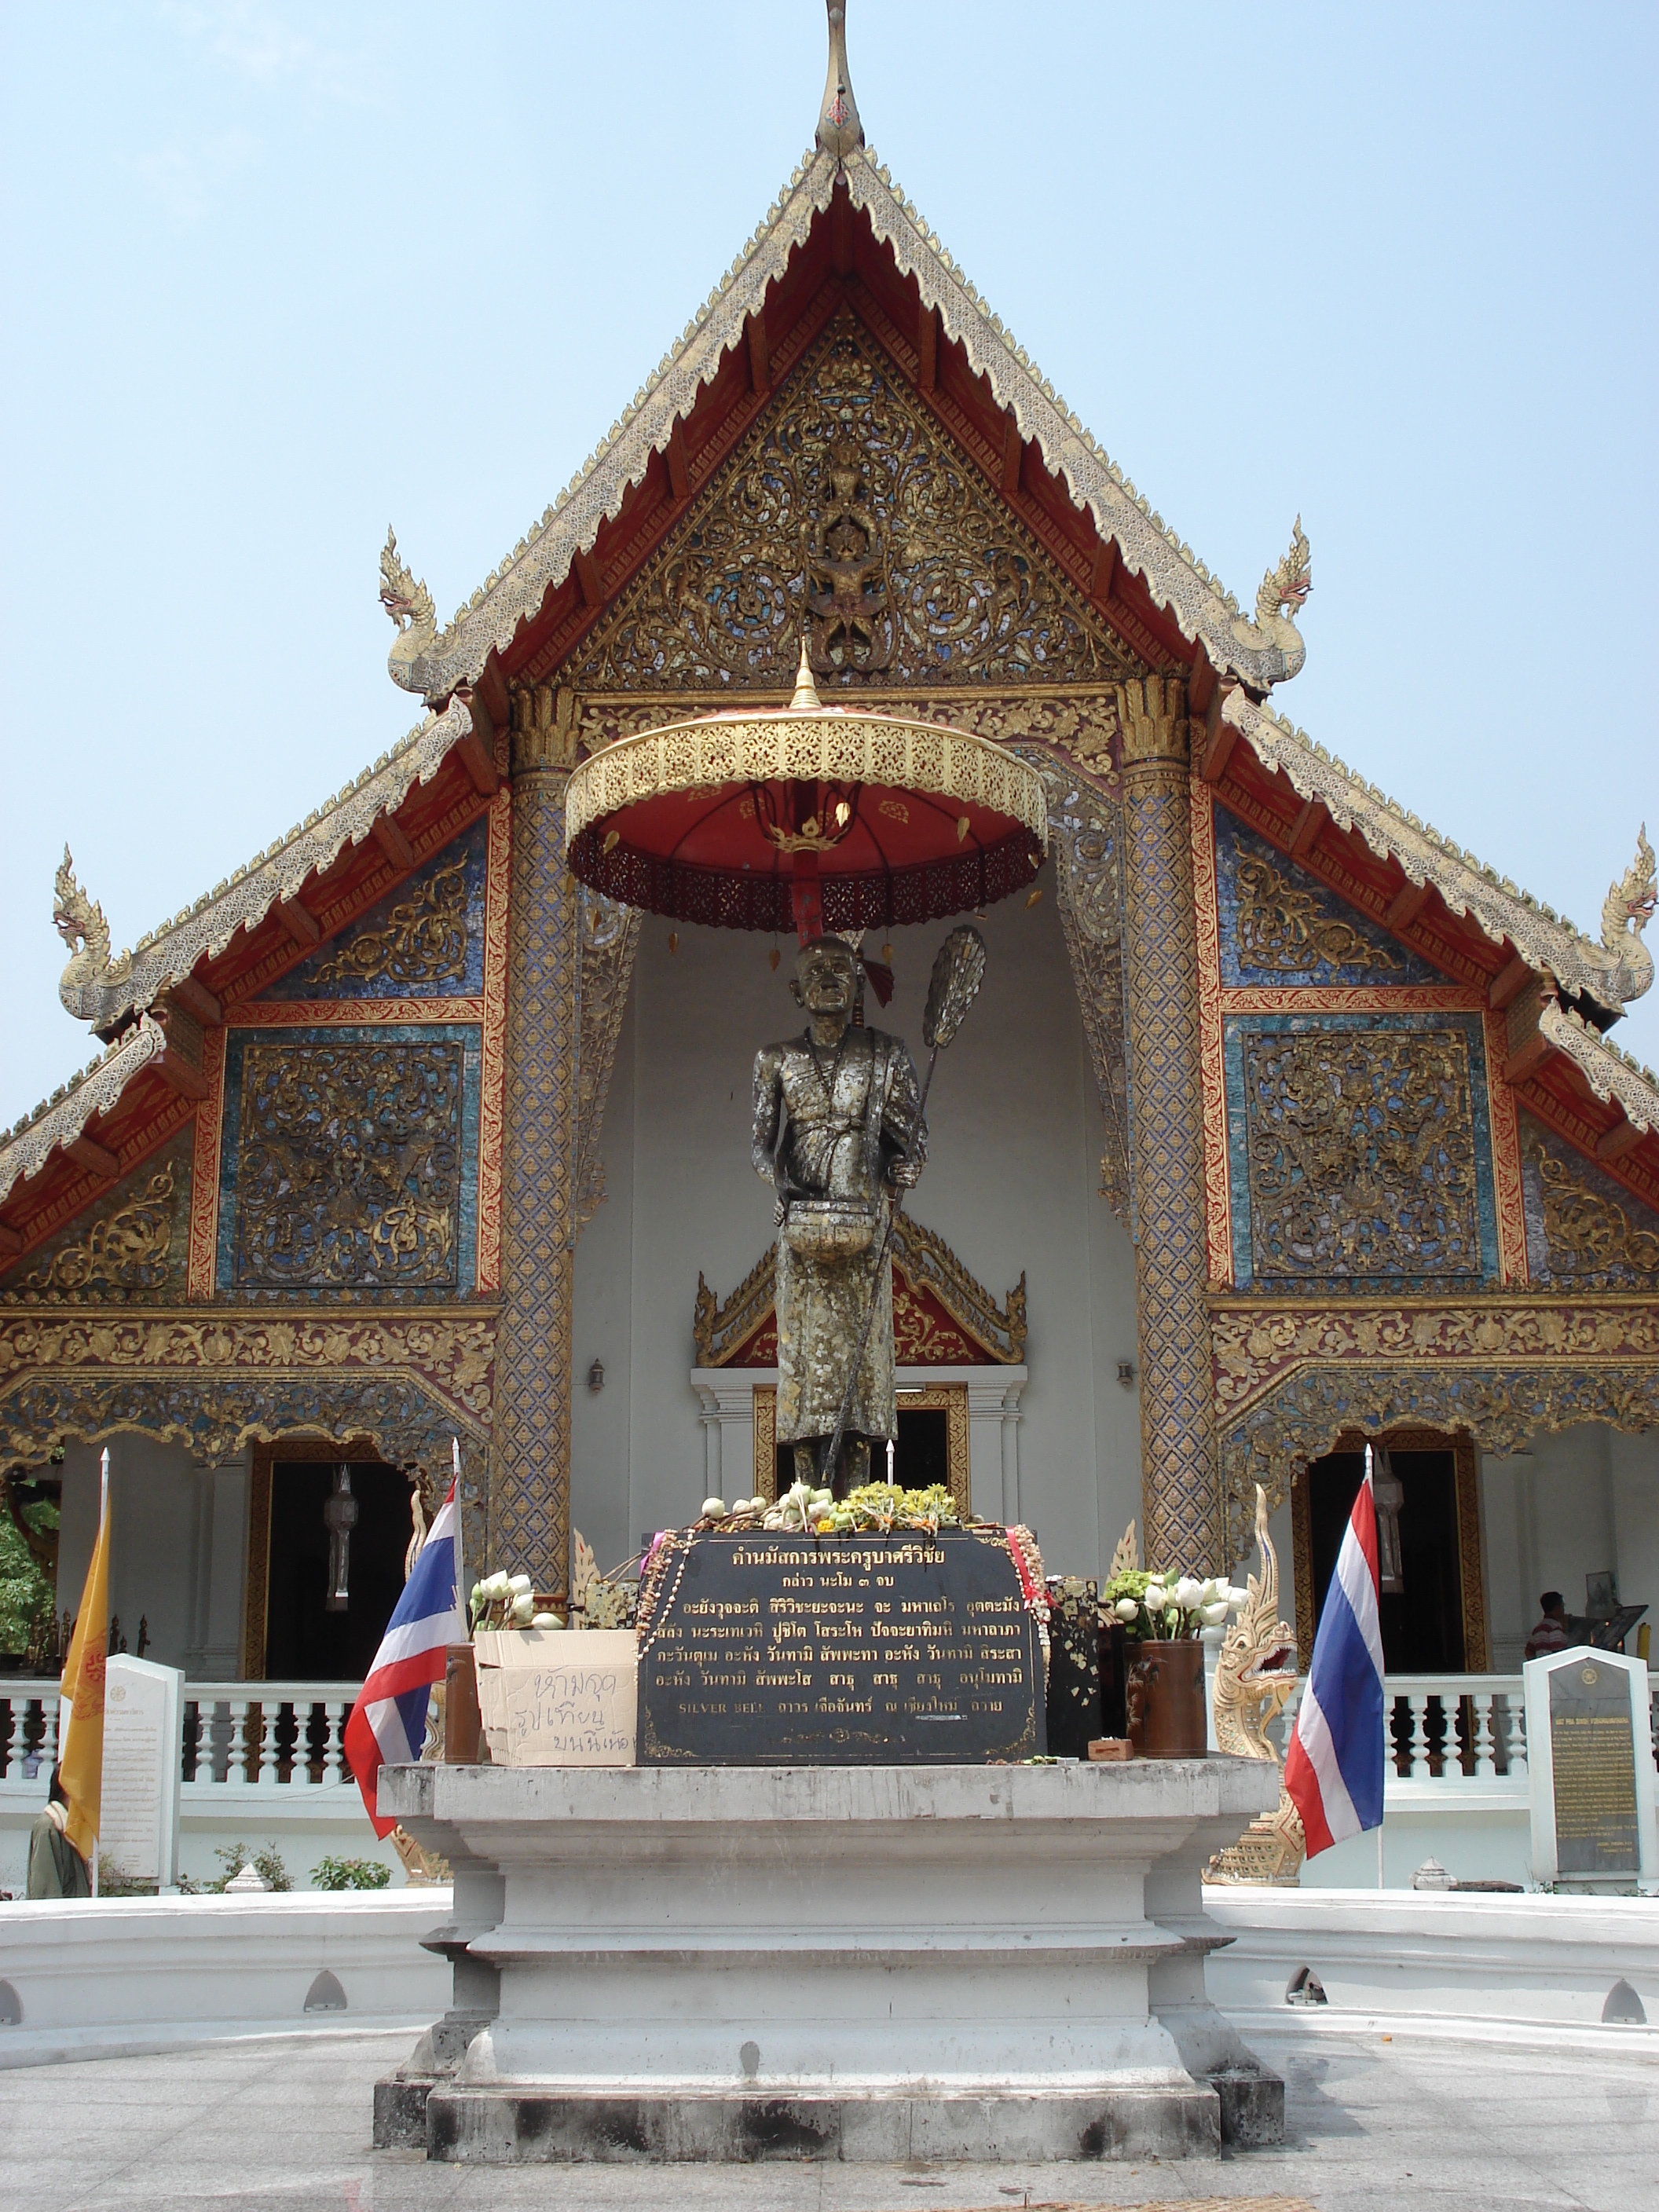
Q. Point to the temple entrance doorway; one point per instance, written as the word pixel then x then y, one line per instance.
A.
pixel 294 1634
pixel 1435 1623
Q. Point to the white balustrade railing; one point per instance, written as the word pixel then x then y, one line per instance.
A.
pixel 238 1736
pixel 1448 1731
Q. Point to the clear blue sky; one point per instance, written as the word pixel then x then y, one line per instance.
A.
pixel 274 276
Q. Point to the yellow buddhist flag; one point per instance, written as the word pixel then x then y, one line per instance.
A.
pixel 81 1742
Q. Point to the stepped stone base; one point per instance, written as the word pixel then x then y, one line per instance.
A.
pixel 860 1964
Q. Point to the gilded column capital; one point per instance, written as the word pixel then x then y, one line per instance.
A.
pixel 1151 712
pixel 544 728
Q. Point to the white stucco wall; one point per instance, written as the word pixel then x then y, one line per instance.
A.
pixel 1573 1502
pixel 1013 1184
pixel 177 1545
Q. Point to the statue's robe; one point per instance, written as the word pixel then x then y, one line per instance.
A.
pixel 850 1120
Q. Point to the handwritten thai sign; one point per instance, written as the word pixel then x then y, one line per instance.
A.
pixel 558 1698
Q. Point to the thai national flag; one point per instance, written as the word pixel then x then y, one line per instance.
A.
pixel 388 1722
pixel 1334 1768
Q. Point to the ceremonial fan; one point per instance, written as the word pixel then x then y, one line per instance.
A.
pixel 808 816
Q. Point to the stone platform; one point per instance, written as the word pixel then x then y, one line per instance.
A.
pixel 845 1962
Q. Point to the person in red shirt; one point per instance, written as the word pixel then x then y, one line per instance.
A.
pixel 1551 1634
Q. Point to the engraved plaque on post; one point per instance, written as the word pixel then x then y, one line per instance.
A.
pixel 1593 1759
pixel 1590 1769
pixel 139 1826
pixel 787 1650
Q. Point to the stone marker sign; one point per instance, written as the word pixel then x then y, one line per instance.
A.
pixel 558 1696
pixel 787 1650
pixel 1590 1769
pixel 139 1824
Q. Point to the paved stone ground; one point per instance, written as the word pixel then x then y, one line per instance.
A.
pixel 1374 2124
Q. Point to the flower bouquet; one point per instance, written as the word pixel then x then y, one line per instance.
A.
pixel 1164 1616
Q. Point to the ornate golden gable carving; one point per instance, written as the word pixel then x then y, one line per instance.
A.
pixel 128 1250
pixel 1285 928
pixel 846 507
pixel 719 1331
pixel 422 940
pixel 1590 1239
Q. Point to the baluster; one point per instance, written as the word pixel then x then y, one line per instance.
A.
pixel 270 1720
pixel 1483 1743
pixel 334 1759
pixel 236 1759
pixel 1418 1703
pixel 1517 1706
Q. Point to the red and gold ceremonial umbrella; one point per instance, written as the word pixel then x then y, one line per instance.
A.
pixel 807 817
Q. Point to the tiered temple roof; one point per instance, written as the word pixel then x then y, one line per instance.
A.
pixel 841 234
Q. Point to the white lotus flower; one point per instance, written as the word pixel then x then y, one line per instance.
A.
pixel 1186 1593
pixel 713 1509
pixel 523 1607
pixel 496 1585
pixel 1213 1616
pixel 518 1584
pixel 1210 1591
pixel 1156 1598
pixel 547 1621
pixel 1127 1608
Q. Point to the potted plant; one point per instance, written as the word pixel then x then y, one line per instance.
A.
pixel 1164 1618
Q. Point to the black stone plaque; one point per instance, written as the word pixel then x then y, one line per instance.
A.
pixel 1073 1703
pixel 1593 1759
pixel 787 1650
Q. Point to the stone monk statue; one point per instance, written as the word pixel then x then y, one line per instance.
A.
pixel 836 1133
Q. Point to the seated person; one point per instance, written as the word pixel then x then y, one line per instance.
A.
pixel 1551 1634
pixel 56 1867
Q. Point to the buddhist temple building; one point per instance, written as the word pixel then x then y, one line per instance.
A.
pixel 1282 1123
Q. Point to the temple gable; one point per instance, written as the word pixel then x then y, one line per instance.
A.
pixel 848 504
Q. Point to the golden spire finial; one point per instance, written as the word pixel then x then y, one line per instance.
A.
pixel 839 128
pixel 806 700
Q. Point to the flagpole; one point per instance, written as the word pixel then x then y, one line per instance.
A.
pixel 103 1508
pixel 460 1579
pixel 1385 1731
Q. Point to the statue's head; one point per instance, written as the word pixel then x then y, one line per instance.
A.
pixel 826 979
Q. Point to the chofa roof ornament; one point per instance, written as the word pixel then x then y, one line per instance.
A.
pixel 1625 913
pixel 839 128
pixel 79 921
pixel 410 605
pixel 1278 603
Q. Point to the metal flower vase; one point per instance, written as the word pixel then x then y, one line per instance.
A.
pixel 1165 1699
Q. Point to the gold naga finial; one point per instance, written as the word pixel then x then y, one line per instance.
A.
pixel 839 128
pixel 1126 1558
pixel 806 700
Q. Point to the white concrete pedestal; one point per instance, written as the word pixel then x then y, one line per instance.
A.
pixel 858 1963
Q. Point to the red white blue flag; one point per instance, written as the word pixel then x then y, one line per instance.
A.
pixel 387 1725
pixel 1334 1768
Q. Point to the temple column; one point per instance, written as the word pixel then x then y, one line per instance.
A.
pixel 1180 1489
pixel 530 1479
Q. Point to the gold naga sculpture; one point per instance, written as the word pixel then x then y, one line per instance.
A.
pixel 1625 913
pixel 1254 1677
pixel 409 604
pixel 1279 599
pixel 79 921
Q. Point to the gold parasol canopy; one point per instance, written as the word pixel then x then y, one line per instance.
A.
pixel 807 816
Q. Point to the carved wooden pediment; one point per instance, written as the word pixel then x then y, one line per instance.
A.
pixel 942 1316
pixel 848 508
